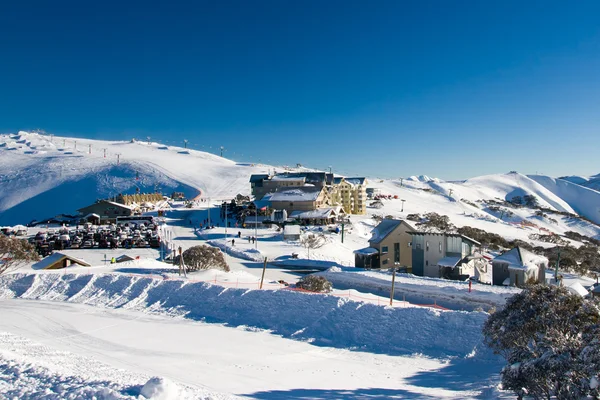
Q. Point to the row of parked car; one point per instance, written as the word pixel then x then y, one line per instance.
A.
pixel 128 235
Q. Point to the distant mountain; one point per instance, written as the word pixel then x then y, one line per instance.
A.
pixel 592 182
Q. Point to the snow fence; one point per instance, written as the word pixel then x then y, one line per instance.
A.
pixel 319 319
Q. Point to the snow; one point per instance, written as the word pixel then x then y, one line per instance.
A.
pixel 383 229
pixel 29 370
pixel 520 258
pixel 578 289
pixel 273 343
pixel 297 194
pixel 52 258
pixel 449 261
pixel 366 251
pixel 158 388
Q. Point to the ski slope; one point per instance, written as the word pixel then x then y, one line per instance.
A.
pixel 43 176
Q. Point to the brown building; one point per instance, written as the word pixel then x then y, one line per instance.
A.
pixel 107 210
pixel 389 246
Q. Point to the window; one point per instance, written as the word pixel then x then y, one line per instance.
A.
pixel 427 262
pixel 427 246
pixel 291 204
pixel 440 247
pixel 385 261
pixel 384 250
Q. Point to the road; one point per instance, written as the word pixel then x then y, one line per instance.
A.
pixel 215 357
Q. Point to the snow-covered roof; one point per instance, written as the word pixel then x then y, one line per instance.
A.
pixel 577 288
pixel 279 178
pixel 304 193
pixel 366 251
pixel 258 177
pixel 55 257
pixel 355 181
pixel 319 213
pixel 114 203
pixel 519 258
pixel 449 262
pixel 386 227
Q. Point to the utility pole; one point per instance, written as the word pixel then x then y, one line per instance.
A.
pixel 90 149
pixel 556 269
pixel 393 283
pixel 64 142
pixel 402 200
pixel 148 137
pixel 343 224
pixel 209 211
pixel 185 142
pixel 330 169
pixel 256 229
pixel 401 181
pixel 262 278
pixel 104 153
pixel 75 145
pixel 118 155
pixel 222 149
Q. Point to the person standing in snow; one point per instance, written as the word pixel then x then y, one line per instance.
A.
pixel 232 242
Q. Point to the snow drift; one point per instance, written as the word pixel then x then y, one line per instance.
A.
pixel 320 319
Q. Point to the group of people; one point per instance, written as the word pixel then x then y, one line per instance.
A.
pixel 251 239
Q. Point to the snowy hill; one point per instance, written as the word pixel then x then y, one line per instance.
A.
pixel 592 182
pixel 43 176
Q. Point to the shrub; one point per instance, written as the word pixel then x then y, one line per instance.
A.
pixel 15 252
pixel 314 283
pixel 203 257
pixel 548 337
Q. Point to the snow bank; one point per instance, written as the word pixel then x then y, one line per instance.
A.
pixel 432 289
pixel 239 252
pixel 158 388
pixel 320 319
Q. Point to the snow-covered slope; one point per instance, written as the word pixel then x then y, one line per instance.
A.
pixel 592 182
pixel 42 176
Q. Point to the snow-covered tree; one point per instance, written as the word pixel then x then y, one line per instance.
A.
pixel 15 252
pixel 542 333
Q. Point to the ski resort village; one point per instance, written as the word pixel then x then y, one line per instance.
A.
pixel 136 269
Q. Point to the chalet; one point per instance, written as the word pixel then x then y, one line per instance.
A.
pixel 57 261
pixel 305 198
pixel 432 252
pixel 389 246
pixel 518 267
pixel 107 210
pixel 320 216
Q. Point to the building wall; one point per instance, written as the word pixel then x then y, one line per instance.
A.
pixel 106 210
pixel 400 236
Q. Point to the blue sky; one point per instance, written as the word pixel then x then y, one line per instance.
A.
pixel 389 88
